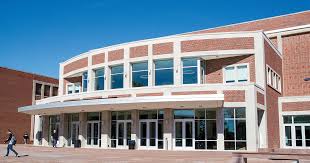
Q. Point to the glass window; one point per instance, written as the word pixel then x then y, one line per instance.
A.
pixel 184 114
pixel 55 91
pixel 288 136
pixel 302 119
pixel 234 129
pixel 77 88
pixel 85 81
pixel 70 89
pixel 38 91
pixel 93 116
pixel 287 119
pixel 164 72
pixel 47 90
pixel 236 73
pixel 140 74
pixel 117 77
pixel 99 79
pixel 189 70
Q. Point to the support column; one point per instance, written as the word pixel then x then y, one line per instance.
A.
pixel 135 126
pixel 37 131
pixel 45 138
pixel 105 129
pixel 220 129
pixel 168 129
pixel 251 120
pixel 82 131
pixel 63 130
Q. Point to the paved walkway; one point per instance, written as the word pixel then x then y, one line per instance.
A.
pixel 31 154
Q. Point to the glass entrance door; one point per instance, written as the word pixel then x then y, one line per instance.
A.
pixel 75 127
pixel 93 133
pixel 123 133
pixel 184 134
pixel 148 134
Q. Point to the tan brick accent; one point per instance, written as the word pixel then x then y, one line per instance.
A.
pixel 217 44
pixel 16 91
pixel 234 96
pixel 81 63
pixel 116 55
pixel 98 58
pixel 163 48
pixel 214 67
pixel 264 24
pixel 138 51
pixel 149 94
pixel 296 65
pixel 119 96
pixel 296 106
pixel 260 98
pixel 193 92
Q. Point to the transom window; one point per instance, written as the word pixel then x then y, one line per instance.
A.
pixel 139 74
pixel 236 73
pixel 189 69
pixel 99 79
pixel 234 129
pixel 117 77
pixel 297 130
pixel 164 72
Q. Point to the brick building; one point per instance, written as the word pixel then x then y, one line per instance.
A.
pixel 19 89
pixel 236 87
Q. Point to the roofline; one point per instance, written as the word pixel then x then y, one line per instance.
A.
pixel 29 73
pixel 229 25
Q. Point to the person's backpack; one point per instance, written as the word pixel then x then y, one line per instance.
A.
pixel 13 140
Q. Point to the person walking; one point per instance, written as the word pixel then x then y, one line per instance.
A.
pixel 11 142
pixel 26 137
pixel 54 138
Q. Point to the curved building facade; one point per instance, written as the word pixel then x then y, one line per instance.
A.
pixel 195 91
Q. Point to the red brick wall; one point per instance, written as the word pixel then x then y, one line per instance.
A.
pixel 138 51
pixel 234 96
pixel 98 58
pixel 265 24
pixel 260 98
pixel 217 44
pixel 16 91
pixel 163 48
pixel 274 41
pixel 296 65
pixel 149 94
pixel 296 106
pixel 275 62
pixel 214 67
pixel 81 63
pixel 116 55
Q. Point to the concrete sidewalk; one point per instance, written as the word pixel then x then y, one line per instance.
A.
pixel 31 154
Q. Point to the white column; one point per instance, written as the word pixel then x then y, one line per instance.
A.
pixel 127 75
pixel 150 66
pixel 177 63
pixel 168 129
pixel 90 76
pixel 37 130
pixel 220 128
pixel 259 60
pixel 61 80
pixel 251 119
pixel 105 129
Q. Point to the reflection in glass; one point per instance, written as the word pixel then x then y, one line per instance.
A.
pixel 140 74
pixel 117 77
pixel 164 72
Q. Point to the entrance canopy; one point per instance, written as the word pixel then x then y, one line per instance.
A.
pixel 128 103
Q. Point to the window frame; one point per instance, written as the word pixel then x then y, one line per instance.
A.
pixel 235 66
pixel 273 79
pixel 198 70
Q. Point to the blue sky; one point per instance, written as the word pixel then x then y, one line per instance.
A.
pixel 35 36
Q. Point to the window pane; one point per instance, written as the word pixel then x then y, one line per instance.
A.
pixel 240 112
pixel 302 119
pixel 242 73
pixel 117 81
pixel 70 89
pixel 298 132
pixel 85 81
pixel 211 114
pixel 47 90
pixel 307 132
pixel 189 62
pixel 200 114
pixel 288 134
pixel 229 145
pixel 140 79
pixel 229 130
pixel 229 74
pixel 117 69
pixel 160 130
pixel 55 91
pixel 287 119
pixel 211 145
pixel 77 88
pixel 200 130
pixel 99 83
pixel 164 77
pixel 161 114
pixel 183 114
pixel 163 64
pixel 200 145
pixel 139 66
pixel 241 146
pixel 190 75
pixel 99 72
pixel 240 130
pixel 211 130
pixel 93 116
pixel 228 113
